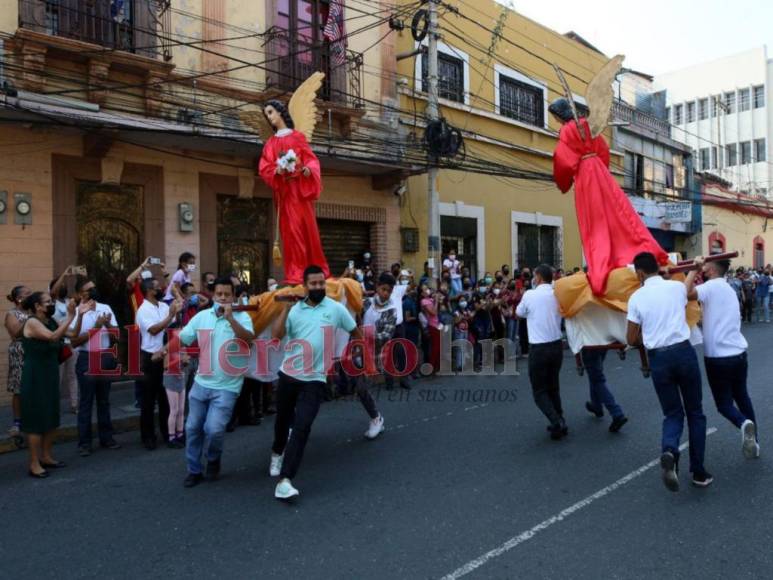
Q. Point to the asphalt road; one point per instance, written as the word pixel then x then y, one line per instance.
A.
pixel 452 487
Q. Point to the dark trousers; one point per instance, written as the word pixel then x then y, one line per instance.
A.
pixel 727 379
pixel 296 407
pixel 153 392
pixel 747 308
pixel 92 387
pixel 523 337
pixel 677 380
pixel 249 405
pixel 399 358
pixel 346 385
pixel 544 368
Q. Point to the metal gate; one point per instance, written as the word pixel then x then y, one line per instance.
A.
pixel 344 240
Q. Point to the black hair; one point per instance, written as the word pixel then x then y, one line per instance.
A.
pixel 545 272
pixel 646 262
pixel 283 111
pixel 184 287
pixel 80 282
pixel 32 300
pixel 147 285
pixel 386 279
pixel 225 281
pixel 562 109
pixel 205 274
pixel 15 291
pixel 313 269
pixel 185 257
pixel 721 266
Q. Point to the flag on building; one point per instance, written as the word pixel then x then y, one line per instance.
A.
pixel 335 32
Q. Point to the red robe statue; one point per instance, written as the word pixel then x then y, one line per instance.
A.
pixel 294 196
pixel 612 232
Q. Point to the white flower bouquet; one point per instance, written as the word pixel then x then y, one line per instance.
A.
pixel 287 161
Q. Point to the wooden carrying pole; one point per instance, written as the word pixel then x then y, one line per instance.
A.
pixel 688 265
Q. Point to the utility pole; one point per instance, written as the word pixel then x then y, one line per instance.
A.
pixel 433 233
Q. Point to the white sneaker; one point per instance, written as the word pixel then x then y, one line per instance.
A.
pixel 750 447
pixel 276 465
pixel 285 490
pixel 375 428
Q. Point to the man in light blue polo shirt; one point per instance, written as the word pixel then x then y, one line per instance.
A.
pixel 218 379
pixel 308 325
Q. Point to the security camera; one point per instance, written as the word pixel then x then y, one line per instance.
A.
pixel 400 190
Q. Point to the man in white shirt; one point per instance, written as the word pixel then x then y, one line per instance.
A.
pixel 93 383
pixel 540 309
pixel 724 350
pixel 657 318
pixel 153 318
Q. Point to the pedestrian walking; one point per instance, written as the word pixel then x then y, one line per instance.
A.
pixel 302 377
pixel 14 323
pixel 724 349
pixel 600 395
pixel 539 308
pixel 657 319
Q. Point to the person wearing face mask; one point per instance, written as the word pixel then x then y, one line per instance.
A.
pixel 657 319
pixel 208 284
pixel 539 308
pixel 186 266
pixel 511 297
pixel 431 338
pixel 14 323
pixel 302 381
pixel 523 330
pixel 461 331
pixel 411 324
pixel 42 338
pixel 153 318
pixel 505 271
pixel 67 381
pixel 272 285
pixel 93 384
pixel 454 270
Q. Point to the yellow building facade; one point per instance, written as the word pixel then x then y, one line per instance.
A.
pixel 496 88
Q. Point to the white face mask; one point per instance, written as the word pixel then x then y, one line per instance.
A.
pixel 496 291
pixel 403 282
pixel 273 287
pixel 463 304
pixel 366 256
pixel 191 267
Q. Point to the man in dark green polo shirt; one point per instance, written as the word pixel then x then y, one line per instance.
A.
pixel 303 373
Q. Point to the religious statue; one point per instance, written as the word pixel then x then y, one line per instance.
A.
pixel 612 232
pixel 291 169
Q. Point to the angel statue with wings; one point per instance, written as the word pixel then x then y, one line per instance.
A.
pixel 612 232
pixel 291 169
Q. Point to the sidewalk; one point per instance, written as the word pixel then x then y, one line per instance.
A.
pixel 125 417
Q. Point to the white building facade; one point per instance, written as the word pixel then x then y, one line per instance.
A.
pixel 722 109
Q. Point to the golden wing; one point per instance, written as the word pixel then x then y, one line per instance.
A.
pixel 302 108
pixel 256 120
pixel 600 94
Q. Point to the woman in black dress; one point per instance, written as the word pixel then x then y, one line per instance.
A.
pixel 40 379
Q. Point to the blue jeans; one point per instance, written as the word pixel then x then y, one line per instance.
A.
pixel 209 412
pixel 511 333
pixel 460 353
pixel 600 395
pixel 727 379
pixel 677 379
pixel 456 286
pixel 763 307
pixel 92 387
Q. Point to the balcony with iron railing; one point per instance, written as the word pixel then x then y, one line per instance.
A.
pixel 137 26
pixel 622 112
pixel 291 61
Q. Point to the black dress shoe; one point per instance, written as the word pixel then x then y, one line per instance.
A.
pixel 213 469
pixel 592 411
pixel 556 432
pixel 617 423
pixel 41 475
pixel 564 428
pixel 193 480
pixel 55 465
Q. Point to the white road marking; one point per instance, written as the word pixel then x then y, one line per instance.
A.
pixel 563 514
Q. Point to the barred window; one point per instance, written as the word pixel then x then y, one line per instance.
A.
pixel 521 101
pixel 746 152
pixel 450 76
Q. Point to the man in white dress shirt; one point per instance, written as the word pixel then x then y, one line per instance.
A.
pixel 724 350
pixel 540 309
pixel 657 318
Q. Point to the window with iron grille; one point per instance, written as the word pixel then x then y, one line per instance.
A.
pixel 677 114
pixel 714 158
pixel 690 112
pixel 746 152
pixel 759 150
pixel 759 97
pixel 705 159
pixel 731 155
pixel 744 99
pixel 450 76
pixel 537 245
pixel 730 103
pixel 703 109
pixel 521 101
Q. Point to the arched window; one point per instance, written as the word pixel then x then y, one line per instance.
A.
pixel 717 243
pixel 759 252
